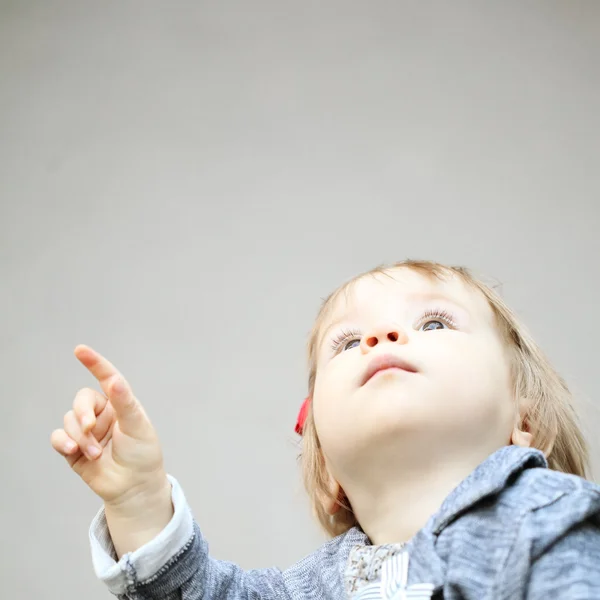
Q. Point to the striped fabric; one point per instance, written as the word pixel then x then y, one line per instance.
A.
pixel 394 583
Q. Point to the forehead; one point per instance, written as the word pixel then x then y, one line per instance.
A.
pixel 374 291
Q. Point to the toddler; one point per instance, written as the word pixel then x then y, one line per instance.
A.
pixel 440 451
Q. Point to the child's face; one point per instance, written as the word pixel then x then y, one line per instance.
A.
pixel 456 397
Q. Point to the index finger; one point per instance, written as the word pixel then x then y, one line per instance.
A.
pixel 129 412
pixel 101 368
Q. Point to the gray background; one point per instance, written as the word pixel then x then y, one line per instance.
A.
pixel 182 182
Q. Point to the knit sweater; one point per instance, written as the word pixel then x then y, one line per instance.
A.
pixel 512 529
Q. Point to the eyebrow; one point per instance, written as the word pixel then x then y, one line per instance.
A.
pixel 411 298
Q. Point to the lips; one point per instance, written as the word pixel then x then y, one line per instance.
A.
pixel 386 361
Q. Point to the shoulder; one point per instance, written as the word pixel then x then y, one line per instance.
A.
pixel 538 488
pixel 542 533
pixel 323 569
pixel 336 549
pixel 562 531
pixel 556 504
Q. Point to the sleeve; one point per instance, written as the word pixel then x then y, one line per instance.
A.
pixel 569 568
pixel 176 565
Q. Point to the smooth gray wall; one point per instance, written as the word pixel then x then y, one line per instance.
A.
pixel 181 182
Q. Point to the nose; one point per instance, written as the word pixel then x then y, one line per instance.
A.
pixel 383 333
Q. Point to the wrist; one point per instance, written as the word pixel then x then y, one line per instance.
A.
pixel 153 493
pixel 137 519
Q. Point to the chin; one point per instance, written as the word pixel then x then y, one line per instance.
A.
pixel 398 406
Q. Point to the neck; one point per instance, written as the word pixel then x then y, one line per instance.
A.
pixel 393 512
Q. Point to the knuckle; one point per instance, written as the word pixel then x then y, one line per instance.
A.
pixel 117 384
pixel 71 425
pixel 83 399
pixel 83 392
pixel 57 440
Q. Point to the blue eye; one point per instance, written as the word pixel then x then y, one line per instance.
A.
pixel 351 344
pixel 427 323
pixel 441 319
pixel 346 340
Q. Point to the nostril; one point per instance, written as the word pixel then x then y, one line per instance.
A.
pixel 393 336
pixel 372 341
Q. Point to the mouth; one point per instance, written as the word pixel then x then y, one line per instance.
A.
pixel 385 362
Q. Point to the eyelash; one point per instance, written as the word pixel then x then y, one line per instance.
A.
pixel 346 335
pixel 439 313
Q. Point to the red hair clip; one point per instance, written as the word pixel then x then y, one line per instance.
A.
pixel 302 416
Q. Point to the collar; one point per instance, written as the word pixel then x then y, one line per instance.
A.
pixel 487 479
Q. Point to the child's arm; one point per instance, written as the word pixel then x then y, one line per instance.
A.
pixel 176 564
pixel 134 523
pixel 110 443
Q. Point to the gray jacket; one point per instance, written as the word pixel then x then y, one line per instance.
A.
pixel 513 529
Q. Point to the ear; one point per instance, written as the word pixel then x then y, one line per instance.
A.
pixel 521 435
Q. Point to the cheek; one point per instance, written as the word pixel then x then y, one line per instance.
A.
pixel 469 364
pixel 334 419
pixel 332 381
pixel 479 377
pixel 325 402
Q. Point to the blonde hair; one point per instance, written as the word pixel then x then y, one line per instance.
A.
pixel 551 418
